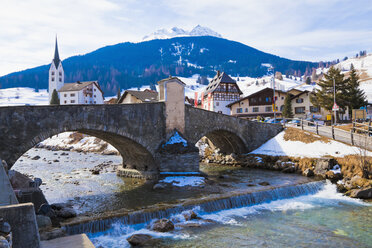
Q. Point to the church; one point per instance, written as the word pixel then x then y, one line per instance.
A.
pixel 72 93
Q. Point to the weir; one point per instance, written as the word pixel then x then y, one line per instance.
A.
pixel 208 206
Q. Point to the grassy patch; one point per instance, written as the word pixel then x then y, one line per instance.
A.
pixel 294 134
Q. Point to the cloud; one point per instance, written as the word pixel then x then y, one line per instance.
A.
pixel 304 29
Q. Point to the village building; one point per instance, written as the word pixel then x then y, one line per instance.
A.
pixel 71 93
pixel 221 91
pixel 258 104
pixel 56 73
pixel 133 96
pixel 81 93
pixel 303 108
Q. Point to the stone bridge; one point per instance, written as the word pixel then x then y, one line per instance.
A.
pixel 137 131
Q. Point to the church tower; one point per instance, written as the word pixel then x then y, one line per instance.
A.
pixel 56 73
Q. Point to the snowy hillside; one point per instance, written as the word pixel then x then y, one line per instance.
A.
pixel 23 96
pixel 364 66
pixel 179 32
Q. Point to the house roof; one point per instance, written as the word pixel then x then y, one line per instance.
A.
pixel 171 78
pixel 303 92
pixel 144 96
pixel 220 78
pixel 78 86
pixel 256 93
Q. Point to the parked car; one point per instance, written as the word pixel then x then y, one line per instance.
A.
pixel 296 122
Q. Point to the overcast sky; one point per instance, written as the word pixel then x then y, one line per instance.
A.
pixel 297 29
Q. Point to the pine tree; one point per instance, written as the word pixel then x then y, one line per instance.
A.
pixel 356 96
pixel 287 109
pixel 55 99
pixel 324 96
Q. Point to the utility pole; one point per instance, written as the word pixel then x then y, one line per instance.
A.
pixel 274 107
pixel 334 99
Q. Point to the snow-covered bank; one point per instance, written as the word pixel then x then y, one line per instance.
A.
pixel 23 96
pixel 73 141
pixel 278 146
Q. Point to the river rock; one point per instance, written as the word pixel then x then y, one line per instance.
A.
pixel 183 225
pixel 264 183
pixel 162 225
pixel 53 234
pixel 44 209
pixel 66 213
pixel 37 157
pixel 4 243
pixel 334 177
pixel 59 206
pixel 139 239
pixel 43 221
pixel 361 193
pixel 5 228
pixel 190 215
pixel 159 186
pixel 308 173
pixel 323 165
pixel 18 180
pixel 290 169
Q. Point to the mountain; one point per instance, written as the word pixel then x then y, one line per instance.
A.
pixel 128 65
pixel 179 32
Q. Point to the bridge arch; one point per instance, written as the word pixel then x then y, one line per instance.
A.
pixel 132 130
pixel 227 141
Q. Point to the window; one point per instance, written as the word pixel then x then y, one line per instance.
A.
pixel 239 110
pixel 94 89
pixel 299 110
pixel 65 95
pixel 255 109
pixel 72 94
pixel 246 110
pixel 94 101
pixel 86 101
pixel 60 73
pixel 242 103
pixel 267 99
pixel 60 79
pixel 65 101
pixel 281 108
pixel 282 97
pixel 52 79
pixel 314 109
pixel 94 95
pixel 52 73
pixel 268 109
pixel 72 101
pixel 299 100
pixel 217 104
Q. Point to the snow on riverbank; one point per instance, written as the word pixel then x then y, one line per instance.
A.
pixel 78 142
pixel 181 181
pixel 277 146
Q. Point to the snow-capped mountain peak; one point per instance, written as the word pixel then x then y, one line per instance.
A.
pixel 203 31
pixel 179 32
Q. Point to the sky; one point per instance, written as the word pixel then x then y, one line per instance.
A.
pixel 312 30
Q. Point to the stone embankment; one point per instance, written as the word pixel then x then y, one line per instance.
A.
pixel 347 173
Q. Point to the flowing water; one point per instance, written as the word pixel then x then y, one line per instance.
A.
pixel 293 211
pixel 323 218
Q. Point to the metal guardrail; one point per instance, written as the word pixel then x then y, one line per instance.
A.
pixel 362 138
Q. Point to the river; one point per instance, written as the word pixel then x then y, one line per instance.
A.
pixel 292 212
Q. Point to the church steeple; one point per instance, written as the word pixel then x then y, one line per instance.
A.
pixel 56 59
pixel 56 73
